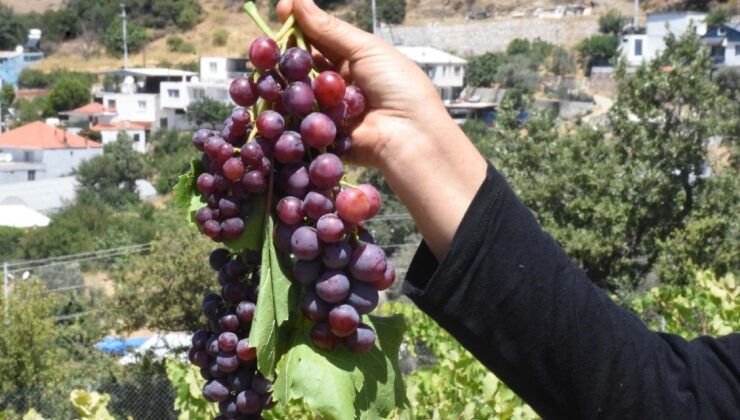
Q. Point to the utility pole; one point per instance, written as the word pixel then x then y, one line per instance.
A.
pixel 375 17
pixel 125 40
pixel 637 12
pixel 5 290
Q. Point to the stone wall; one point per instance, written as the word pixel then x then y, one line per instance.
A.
pixel 477 38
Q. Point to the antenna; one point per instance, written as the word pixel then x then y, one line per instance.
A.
pixel 125 40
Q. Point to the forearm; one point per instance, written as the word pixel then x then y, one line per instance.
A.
pixel 436 174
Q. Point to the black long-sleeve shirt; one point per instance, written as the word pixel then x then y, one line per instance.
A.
pixel 512 297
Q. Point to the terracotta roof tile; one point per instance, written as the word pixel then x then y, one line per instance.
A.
pixel 38 135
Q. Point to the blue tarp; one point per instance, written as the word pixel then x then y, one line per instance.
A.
pixel 119 346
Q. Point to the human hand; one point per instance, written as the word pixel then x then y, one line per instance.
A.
pixel 401 102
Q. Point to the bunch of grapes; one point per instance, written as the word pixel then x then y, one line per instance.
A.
pixel 284 143
pixel 221 350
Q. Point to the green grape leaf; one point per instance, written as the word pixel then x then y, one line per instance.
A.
pixel 340 384
pixel 195 203
pixel 185 188
pixel 277 296
pixel 251 239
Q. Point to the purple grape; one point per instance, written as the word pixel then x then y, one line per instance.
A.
pixel 243 91
pixel 294 180
pixel 228 408
pixel 248 402
pixel 366 237
pixel 244 351
pixel 313 307
pixel 355 101
pixel 337 113
pixel 263 166
pixel 236 268
pixel 267 402
pixel 200 359
pixel 252 153
pixel 212 346
pixel 264 53
pixel 232 228
pixel 318 130
pixel 330 228
pixel 220 183
pixel 290 210
pixel 298 99
pixel 213 369
pixel 270 87
pixel 200 137
pixel 337 255
pixel 225 152
pixel 332 286
pixel 203 215
pixel 295 64
pixel 240 380
pixel 205 373
pixel 361 340
pixel 199 339
pixel 267 146
pixel 245 312
pixel 363 297
pixel 229 322
pixel 255 182
pixel 205 183
pixel 228 207
pixel 316 204
pixel 233 169
pixel 326 170
pixel 289 148
pixel 341 146
pixel 223 277
pixel 270 124
pixel 322 337
pixel 368 263
pixel 211 308
pixel 282 236
pixel 234 292
pixel 329 87
pixel 227 341
pixel 216 390
pixel 305 243
pixel 212 229
pixel 306 272
pixel 227 361
pixel 212 145
pixel 343 320
pixel 240 117
pixel 260 384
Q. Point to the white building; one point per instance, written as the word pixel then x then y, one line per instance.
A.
pixel 724 44
pixel 647 43
pixel 108 123
pixel 38 151
pixel 222 68
pixel 446 70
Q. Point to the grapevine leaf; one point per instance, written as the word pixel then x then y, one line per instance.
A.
pixel 195 203
pixel 251 239
pixel 277 295
pixel 185 188
pixel 340 384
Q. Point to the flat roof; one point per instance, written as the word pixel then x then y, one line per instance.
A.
pixel 429 55
pixel 149 72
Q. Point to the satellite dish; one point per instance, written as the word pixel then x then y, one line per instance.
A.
pixel 26 275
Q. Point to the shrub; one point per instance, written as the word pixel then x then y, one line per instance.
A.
pixel 177 44
pixel 612 23
pixel 220 37
pixel 137 37
pixel 598 49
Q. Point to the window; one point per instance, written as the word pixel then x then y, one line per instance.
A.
pixel 142 105
pixel 444 71
pixel 137 137
pixel 458 69
pixel 737 50
pixel 638 48
pixel 31 175
pixel 163 122
pixel 112 103
pixel 199 93
pixel 173 93
pixel 213 66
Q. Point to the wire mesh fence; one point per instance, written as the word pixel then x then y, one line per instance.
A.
pixel 144 397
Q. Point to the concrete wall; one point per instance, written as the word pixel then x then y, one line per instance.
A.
pixel 109 136
pixel 7 177
pixel 135 106
pixel 478 38
pixel 61 162
pixel 732 54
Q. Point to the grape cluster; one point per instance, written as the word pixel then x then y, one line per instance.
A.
pixel 284 143
pixel 221 350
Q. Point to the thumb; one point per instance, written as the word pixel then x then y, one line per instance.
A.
pixel 335 38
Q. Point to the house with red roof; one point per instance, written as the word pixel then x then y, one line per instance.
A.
pixel 107 121
pixel 39 150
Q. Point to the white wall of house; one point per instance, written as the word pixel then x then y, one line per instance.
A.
pixel 221 68
pixel 178 96
pixel 732 53
pixel 641 48
pixel 60 162
pixel 175 119
pixel 138 137
pixel 134 106
pixel 8 175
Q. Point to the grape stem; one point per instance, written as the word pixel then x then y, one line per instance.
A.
pixel 300 42
pixel 251 10
pixel 286 29
pixel 347 183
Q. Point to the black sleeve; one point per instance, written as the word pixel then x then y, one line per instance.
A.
pixel 510 295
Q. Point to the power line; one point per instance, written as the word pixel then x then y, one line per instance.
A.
pixel 75 256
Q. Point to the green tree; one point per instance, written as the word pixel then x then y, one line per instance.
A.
pixel 33 79
pixel 718 16
pixel 597 50
pixel 561 62
pixel 29 110
pixel 518 72
pixel 68 93
pixel 612 23
pixel 112 176
pixel 389 11
pixel 208 112
pixel 220 37
pixel 7 96
pixel 728 80
pixel 613 196
pixel 137 37
pixel 518 46
pixel 10 239
pixel 12 30
pixel 482 69
pixel 161 290
pixel 172 151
